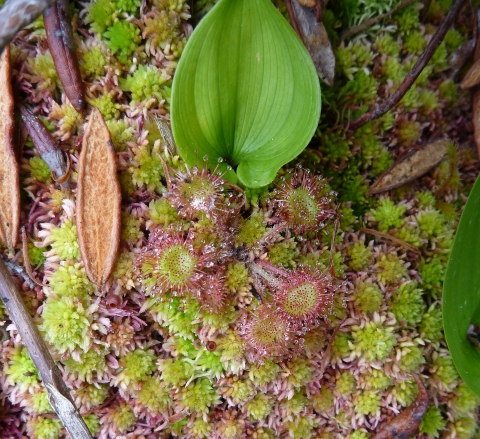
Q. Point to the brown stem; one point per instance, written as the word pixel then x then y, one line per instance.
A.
pixel 395 98
pixel 293 20
pixel 58 27
pixel 46 146
pixel 371 21
pixel 16 14
pixel 319 11
pixel 58 393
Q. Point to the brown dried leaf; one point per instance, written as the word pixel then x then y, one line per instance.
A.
pixel 9 178
pixel 415 164
pixel 98 201
pixel 472 77
pixel 316 42
pixel 406 424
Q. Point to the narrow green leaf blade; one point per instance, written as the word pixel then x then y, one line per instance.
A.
pixel 461 292
pixel 245 91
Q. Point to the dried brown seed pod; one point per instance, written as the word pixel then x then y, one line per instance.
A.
pixel 60 41
pixel 98 201
pixel 9 178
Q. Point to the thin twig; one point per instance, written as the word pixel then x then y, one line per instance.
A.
pixel 395 98
pixel 392 239
pixel 16 14
pixel 58 393
pixel 371 21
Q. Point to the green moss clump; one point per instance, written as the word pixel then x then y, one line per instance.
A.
pixel 368 298
pixel 390 269
pixel 35 254
pixel 21 370
pixel 123 417
pixel 412 358
pixel 406 392
pixel 431 325
pixel 121 133
pixel 360 256
pixel 65 242
pixel 40 170
pixel 44 428
pixel 162 213
pixel 346 383
pixel 93 61
pixel 107 105
pixel 264 373
pixel 43 67
pixel 137 365
pixel 130 6
pixel 252 230
pixel 66 323
pixel 368 402
pixel 146 83
pixel 374 341
pixel 323 401
pixel 148 170
pixel 91 363
pixel 101 15
pixel 199 396
pixel 70 280
pixel 123 38
pixel 432 422
pixel 387 214
pixel 154 395
pixel 407 303
pixel 259 407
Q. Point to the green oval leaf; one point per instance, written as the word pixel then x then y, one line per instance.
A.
pixel 461 292
pixel 245 91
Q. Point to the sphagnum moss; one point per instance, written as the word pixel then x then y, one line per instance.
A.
pixel 187 337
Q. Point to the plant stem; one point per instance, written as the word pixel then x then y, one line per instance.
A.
pixel 16 14
pixel 58 393
pixel 395 98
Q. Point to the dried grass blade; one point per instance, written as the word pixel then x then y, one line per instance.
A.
pixel 98 201
pixel 472 77
pixel 415 164
pixel 9 177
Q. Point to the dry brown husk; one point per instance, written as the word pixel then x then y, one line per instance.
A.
pixel 98 201
pixel 9 177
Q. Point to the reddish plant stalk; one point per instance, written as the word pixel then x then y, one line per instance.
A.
pixel 60 40
pixel 46 146
pixel 395 98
